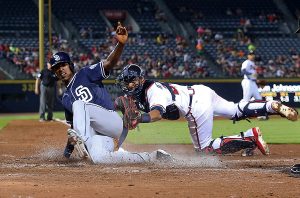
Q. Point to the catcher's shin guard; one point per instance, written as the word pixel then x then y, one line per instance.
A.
pixel 250 139
pixel 230 144
pixel 234 144
pixel 251 109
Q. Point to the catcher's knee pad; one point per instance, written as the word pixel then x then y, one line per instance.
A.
pixel 232 144
pixel 251 109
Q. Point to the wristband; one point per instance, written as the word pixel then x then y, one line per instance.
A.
pixel 145 118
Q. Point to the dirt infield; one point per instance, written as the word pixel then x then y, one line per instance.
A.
pixel 31 165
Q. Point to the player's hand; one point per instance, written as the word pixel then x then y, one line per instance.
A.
pixel 121 33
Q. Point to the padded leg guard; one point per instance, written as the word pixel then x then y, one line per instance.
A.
pixel 251 109
pixel 230 144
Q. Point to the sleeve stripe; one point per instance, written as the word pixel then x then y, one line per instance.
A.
pixel 103 70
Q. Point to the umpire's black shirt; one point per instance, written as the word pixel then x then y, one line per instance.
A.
pixel 47 77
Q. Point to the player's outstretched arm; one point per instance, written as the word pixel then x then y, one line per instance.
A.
pixel 112 59
pixel 155 115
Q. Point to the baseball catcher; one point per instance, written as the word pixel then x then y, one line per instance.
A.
pixel 197 104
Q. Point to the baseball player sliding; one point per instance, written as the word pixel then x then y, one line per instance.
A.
pixel 96 129
pixel 197 104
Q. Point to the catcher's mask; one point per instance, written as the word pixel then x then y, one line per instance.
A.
pixel 61 57
pixel 129 74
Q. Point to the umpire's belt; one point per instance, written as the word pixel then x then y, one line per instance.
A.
pixel 191 93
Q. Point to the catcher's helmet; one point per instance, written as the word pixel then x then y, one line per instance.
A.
pixel 130 73
pixel 61 57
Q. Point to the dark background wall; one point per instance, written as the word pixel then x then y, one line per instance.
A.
pixel 18 96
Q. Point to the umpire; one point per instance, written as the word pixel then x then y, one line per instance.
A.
pixel 45 87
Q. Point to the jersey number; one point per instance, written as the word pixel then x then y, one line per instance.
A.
pixel 83 93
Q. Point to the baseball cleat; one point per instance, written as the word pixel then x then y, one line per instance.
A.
pixel 68 150
pixel 259 141
pixel 162 155
pixel 283 110
pixel 75 139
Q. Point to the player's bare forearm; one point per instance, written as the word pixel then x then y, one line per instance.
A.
pixel 113 57
pixel 37 86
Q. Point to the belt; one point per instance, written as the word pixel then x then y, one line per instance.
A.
pixel 250 79
pixel 192 92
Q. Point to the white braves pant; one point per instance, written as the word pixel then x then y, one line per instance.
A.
pixel 99 128
pixel 206 103
pixel 250 90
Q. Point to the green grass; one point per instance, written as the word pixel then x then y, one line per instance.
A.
pixel 275 130
pixel 4 120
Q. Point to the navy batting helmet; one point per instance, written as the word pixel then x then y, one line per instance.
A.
pixel 61 57
pixel 129 74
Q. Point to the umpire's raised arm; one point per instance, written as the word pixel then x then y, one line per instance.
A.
pixel 112 59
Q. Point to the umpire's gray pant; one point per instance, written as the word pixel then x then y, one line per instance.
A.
pixel 47 97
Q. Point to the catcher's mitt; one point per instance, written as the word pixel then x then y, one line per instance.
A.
pixel 131 114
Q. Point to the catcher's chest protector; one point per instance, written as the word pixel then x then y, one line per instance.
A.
pixel 172 111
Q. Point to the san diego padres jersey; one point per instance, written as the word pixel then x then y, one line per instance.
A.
pixel 86 85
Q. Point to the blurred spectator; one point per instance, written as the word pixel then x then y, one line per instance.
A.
pixel 90 32
pixel 228 12
pixel 251 47
pixel 83 32
pixel 272 18
pixel 238 12
pixel 218 37
pixel 200 31
pixel 240 34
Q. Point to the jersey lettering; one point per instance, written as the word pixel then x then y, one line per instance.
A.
pixel 56 57
pixel 83 93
